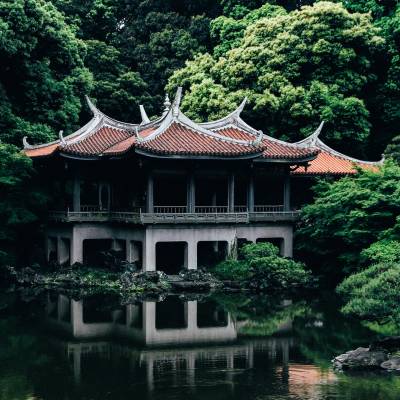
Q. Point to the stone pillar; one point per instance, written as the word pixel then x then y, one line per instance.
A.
pixel 286 194
pixel 191 194
pixel 231 193
pixel 150 193
pixel 132 250
pixel 149 252
pixel 76 248
pixel 191 255
pixel 250 194
pixel 191 309
pixel 149 321
pixel 287 245
pixel 76 202
pixel 63 250
pixel 63 305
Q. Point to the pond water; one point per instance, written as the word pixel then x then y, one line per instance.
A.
pixel 216 347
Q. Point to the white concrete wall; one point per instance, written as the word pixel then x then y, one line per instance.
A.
pixel 152 234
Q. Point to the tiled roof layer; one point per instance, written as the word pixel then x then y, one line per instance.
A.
pixel 181 140
pixel 331 164
pixel 98 142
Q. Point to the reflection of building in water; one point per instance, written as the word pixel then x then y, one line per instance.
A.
pixel 173 323
pixel 149 322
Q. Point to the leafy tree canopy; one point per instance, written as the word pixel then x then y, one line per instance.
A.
pixel 263 269
pixel 42 73
pixel 350 214
pixel 393 149
pixel 16 205
pixel 296 68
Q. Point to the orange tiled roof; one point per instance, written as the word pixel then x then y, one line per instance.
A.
pixel 98 142
pixel 175 134
pixel 42 151
pixel 181 140
pixel 331 164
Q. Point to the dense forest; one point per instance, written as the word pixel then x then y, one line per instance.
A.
pixel 297 61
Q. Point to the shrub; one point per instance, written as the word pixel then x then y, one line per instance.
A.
pixel 373 294
pixel 262 268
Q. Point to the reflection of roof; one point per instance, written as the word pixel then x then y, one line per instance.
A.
pixel 330 161
pixel 172 135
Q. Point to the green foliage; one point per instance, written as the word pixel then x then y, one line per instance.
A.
pixel 263 269
pixel 228 32
pixel 296 68
pixel 393 149
pixel 383 251
pixel 349 215
pixel 256 250
pixel 373 294
pixel 133 47
pixel 42 74
pixel 16 204
pixel 274 272
pixel 232 270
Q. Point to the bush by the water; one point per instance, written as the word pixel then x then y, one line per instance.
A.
pixel 373 294
pixel 262 268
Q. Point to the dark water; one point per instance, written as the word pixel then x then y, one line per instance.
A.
pixel 217 347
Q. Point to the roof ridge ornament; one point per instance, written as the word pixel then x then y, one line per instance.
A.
pixel 177 102
pixel 258 139
pixel 143 114
pixel 315 135
pixel 95 111
pixel 239 110
pixel 25 143
pixel 167 104
pixel 61 138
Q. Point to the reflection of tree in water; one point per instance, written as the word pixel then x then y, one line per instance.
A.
pixel 261 315
pixel 324 332
pixel 321 331
pixel 26 357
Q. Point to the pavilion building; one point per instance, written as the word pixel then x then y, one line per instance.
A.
pixel 173 193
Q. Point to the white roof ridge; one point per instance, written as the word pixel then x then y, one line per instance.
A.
pixel 233 116
pixel 110 120
pixel 321 145
pixel 313 140
pixel 174 114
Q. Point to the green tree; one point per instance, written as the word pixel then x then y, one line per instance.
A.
pixel 393 149
pixel 373 294
pixel 261 268
pixel 349 215
pixel 311 64
pixel 143 41
pixel 42 74
pixel 17 206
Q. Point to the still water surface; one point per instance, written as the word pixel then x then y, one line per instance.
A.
pixel 217 347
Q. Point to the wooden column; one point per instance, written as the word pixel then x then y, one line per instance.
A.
pixel 286 193
pixel 150 193
pixel 250 194
pixel 231 193
pixel 76 202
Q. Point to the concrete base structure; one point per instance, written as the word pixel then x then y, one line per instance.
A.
pixel 68 240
